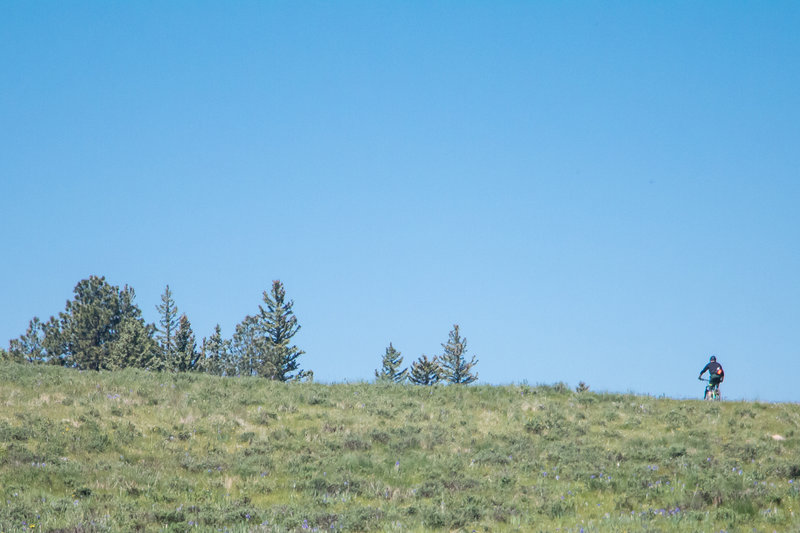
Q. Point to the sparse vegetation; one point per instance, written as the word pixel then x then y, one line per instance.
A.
pixel 132 450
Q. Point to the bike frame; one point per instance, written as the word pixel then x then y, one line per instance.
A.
pixel 712 391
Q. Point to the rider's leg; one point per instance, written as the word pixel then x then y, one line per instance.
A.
pixel 714 384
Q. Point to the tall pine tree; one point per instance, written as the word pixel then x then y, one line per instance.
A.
pixel 455 367
pixel 425 371
pixel 390 367
pixel 168 322
pixel 279 326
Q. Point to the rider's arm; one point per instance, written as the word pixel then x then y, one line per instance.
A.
pixel 705 368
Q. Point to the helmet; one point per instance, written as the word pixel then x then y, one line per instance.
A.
pixel 713 358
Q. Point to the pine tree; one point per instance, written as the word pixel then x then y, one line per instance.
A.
pixel 54 343
pixel 186 354
pixel 41 343
pixel 389 371
pixel 134 347
pixel 425 371
pixel 279 326
pixel 6 357
pixel 30 346
pixel 216 356
pixel 131 337
pixel 250 350
pixel 91 324
pixel 455 368
pixel 168 321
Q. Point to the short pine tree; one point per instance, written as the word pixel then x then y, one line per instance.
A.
pixel 30 346
pixel 216 356
pixel 53 342
pixel 6 357
pixel 249 350
pixel 455 368
pixel 425 371
pixel 135 346
pixel 390 367
pixel 186 354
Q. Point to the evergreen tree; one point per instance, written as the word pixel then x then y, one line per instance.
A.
pixel 134 346
pixel 53 342
pixel 127 308
pixel 130 334
pixel 168 323
pixel 455 368
pixel 279 326
pixel 216 356
pixel 7 357
pixel 89 323
pixel 425 371
pixel 390 367
pixel 250 351
pixel 260 345
pixel 30 346
pixel 186 354
pixel 87 329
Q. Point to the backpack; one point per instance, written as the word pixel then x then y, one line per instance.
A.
pixel 715 371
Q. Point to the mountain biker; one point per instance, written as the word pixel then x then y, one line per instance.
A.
pixel 715 373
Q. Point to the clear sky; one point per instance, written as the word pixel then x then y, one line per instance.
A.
pixel 595 191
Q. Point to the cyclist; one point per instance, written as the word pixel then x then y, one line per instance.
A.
pixel 715 373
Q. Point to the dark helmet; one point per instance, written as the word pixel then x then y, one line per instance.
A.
pixel 713 359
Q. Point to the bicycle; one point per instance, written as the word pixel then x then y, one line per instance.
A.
pixel 712 391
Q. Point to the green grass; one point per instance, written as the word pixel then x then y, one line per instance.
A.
pixel 137 451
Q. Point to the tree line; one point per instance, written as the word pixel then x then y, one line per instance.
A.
pixel 101 328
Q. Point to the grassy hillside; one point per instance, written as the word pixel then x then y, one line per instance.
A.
pixel 132 451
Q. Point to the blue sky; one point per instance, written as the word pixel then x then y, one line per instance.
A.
pixel 595 191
